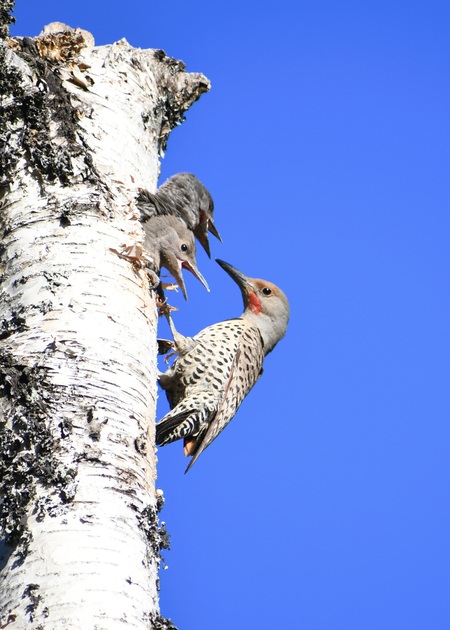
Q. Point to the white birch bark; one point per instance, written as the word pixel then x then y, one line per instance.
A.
pixel 82 127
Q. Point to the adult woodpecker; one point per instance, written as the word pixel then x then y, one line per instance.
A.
pixel 218 367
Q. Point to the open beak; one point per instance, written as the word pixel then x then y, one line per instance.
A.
pixel 212 228
pixel 201 231
pixel 178 275
pixel 193 269
pixel 202 237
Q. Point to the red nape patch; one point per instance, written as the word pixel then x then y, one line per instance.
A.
pixel 254 303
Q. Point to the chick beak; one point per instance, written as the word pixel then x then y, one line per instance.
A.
pixel 202 236
pixel 178 275
pixel 193 269
pixel 212 228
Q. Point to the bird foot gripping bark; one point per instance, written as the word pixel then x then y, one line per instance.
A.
pixel 163 306
pixel 164 345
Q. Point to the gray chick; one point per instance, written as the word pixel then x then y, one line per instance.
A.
pixel 172 246
pixel 185 197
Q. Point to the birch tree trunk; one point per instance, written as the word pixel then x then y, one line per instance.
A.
pixel 82 128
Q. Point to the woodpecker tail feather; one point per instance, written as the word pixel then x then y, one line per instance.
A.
pixel 190 418
pixel 174 427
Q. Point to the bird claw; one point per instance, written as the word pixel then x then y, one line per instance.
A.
pixel 170 355
pixel 164 308
pixel 164 345
pixel 153 278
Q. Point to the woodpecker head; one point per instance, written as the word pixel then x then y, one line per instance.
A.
pixel 172 246
pixel 184 195
pixel 265 305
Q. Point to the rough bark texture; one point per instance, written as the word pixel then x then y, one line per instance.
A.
pixel 81 129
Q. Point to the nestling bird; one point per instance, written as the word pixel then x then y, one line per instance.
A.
pixel 217 368
pixel 171 245
pixel 185 197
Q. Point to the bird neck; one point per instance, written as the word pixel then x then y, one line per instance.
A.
pixel 271 329
pixel 152 246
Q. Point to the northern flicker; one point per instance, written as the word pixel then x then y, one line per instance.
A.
pixel 171 245
pixel 217 368
pixel 185 197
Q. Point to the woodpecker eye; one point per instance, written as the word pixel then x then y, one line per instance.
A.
pixel 267 291
pixel 184 247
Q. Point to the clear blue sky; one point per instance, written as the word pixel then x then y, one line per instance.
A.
pixel 325 143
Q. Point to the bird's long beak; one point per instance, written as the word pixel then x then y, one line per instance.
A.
pixel 201 231
pixel 193 269
pixel 242 281
pixel 212 228
pixel 178 275
pixel 202 237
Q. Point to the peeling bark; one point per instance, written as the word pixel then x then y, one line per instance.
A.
pixel 81 130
